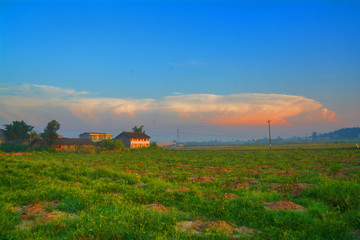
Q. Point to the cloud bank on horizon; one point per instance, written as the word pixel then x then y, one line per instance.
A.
pixel 39 104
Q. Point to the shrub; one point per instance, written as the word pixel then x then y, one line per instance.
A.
pixel 153 147
pixel 112 146
pixel 8 147
pixel 85 149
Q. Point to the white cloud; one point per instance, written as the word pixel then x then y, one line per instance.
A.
pixel 35 90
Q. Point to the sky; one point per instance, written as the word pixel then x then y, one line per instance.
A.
pixel 212 69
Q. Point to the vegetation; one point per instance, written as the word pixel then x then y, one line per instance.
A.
pixel 17 130
pixel 50 133
pixel 344 133
pixel 34 135
pixel 112 146
pixel 299 192
pixel 11 148
pixel 139 129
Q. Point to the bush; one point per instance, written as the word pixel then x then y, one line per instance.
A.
pixel 85 149
pixel 112 146
pixel 8 148
pixel 152 147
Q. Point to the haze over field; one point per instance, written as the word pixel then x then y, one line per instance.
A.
pixel 213 69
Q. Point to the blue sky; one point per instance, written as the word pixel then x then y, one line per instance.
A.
pixel 140 50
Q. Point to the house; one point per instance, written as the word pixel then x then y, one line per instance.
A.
pixel 166 144
pixel 96 137
pixel 2 136
pixel 134 139
pixel 19 141
pixel 64 143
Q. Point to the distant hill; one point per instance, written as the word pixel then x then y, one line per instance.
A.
pixel 341 134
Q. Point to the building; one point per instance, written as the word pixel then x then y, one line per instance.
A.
pixel 64 143
pixel 166 144
pixel 96 137
pixel 134 139
pixel 19 141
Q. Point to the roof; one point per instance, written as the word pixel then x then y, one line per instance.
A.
pixel 67 141
pixel 74 141
pixel 95 133
pixel 134 135
pixel 19 141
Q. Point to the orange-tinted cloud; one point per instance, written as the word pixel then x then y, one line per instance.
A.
pixel 330 115
pixel 240 109
pixel 36 102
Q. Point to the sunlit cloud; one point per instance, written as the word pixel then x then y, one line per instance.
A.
pixel 242 109
pixel 328 114
pixel 40 103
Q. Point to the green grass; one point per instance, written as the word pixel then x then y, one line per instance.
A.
pixel 109 196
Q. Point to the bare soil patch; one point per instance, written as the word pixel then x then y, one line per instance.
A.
pixel 77 183
pixel 37 213
pixel 184 189
pixel 245 184
pixel 294 189
pixel 201 179
pixel 158 207
pixel 139 184
pixel 194 169
pixel 284 205
pixel 146 172
pixel 229 195
pixel 199 227
pixel 284 173
pixel 341 175
pixel 218 170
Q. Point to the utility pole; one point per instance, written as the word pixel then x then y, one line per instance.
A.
pixel 178 137
pixel 268 121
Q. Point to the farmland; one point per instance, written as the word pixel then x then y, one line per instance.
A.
pixel 301 192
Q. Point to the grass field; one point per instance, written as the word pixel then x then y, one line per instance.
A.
pixel 302 192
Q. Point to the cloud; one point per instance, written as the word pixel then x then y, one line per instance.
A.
pixel 39 104
pixel 241 109
pixel 35 90
pixel 327 114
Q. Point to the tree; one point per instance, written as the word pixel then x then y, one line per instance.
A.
pixel 50 135
pixel 18 130
pixel 314 136
pixel 34 135
pixel 138 129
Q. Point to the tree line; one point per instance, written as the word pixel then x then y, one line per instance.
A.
pixel 343 133
pixel 19 130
